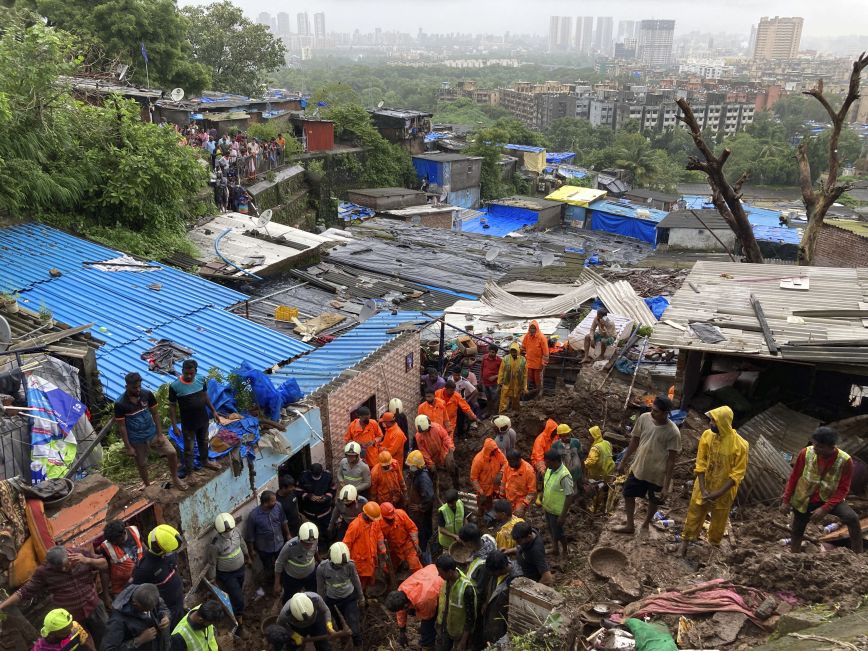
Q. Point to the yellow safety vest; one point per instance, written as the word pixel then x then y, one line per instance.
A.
pixel 553 490
pixel 812 480
pixel 452 608
pixel 453 520
pixel 196 639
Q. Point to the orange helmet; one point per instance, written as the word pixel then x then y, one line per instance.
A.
pixel 388 417
pixel 385 458
pixel 387 510
pixel 372 510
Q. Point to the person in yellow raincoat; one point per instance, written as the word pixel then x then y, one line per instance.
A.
pixel 599 464
pixel 512 378
pixel 721 463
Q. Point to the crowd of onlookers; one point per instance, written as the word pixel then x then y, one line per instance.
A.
pixel 235 159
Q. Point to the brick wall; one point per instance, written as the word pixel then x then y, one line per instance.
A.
pixel 383 375
pixel 837 247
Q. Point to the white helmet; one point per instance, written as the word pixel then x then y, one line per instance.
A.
pixel 300 607
pixel 348 493
pixel 422 422
pixel 308 532
pixel 352 448
pixel 224 522
pixel 339 553
pixel 502 421
pixel 395 405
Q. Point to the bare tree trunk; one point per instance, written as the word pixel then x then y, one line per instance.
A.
pixel 818 200
pixel 725 196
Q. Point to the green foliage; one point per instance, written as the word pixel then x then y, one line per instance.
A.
pixel 633 153
pixel 115 29
pixel 238 53
pixel 244 399
pixel 334 95
pixel 465 111
pixel 96 169
pixel 385 165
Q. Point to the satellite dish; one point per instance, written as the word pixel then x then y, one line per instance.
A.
pixel 261 220
pixel 177 94
pixel 5 333
pixel 380 104
pixel 546 259
pixel 491 254
pixel 369 309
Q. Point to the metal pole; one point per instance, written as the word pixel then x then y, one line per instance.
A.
pixel 442 349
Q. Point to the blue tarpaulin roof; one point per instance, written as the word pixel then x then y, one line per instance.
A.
pixel 501 222
pixel 570 172
pixel 431 136
pixel 624 208
pixel 556 157
pixel 755 215
pixel 325 364
pixel 131 310
pixel 777 234
pixel 621 217
pixel 349 211
pixel 527 148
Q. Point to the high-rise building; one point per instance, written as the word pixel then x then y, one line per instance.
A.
pixel 626 29
pixel 303 22
pixel 283 23
pixel 777 38
pixel 603 37
pixel 264 19
pixel 554 32
pixel 565 38
pixel 560 33
pixel 319 31
pixel 587 34
pixel 655 42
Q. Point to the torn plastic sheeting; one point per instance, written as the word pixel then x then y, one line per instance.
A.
pixel 264 392
pixel 657 305
pixel 510 305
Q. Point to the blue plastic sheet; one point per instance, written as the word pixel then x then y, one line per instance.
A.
pixel 431 136
pixel 638 229
pixel 264 392
pixel 221 397
pixel 290 392
pixel 246 429
pixel 559 156
pixel 781 234
pixel 657 305
pixel 350 211
pixel 431 170
pixel 527 148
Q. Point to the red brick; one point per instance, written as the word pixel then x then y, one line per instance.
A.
pixel 837 247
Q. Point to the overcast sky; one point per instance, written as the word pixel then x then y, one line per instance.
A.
pixel 822 18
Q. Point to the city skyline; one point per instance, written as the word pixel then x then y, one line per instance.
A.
pixel 488 16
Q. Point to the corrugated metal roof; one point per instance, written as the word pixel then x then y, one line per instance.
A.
pixel 128 315
pixel 325 364
pixel 724 295
pixel 789 431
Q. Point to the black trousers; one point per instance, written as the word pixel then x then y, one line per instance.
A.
pixel 233 584
pixel 291 585
pixel 196 433
pixel 349 607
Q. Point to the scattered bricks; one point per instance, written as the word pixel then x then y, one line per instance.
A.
pixel 800 619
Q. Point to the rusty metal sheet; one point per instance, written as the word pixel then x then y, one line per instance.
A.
pixel 788 430
pixel 767 473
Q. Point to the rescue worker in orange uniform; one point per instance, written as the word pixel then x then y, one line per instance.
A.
pixel 387 480
pixel 519 482
pixel 367 546
pixel 402 537
pixel 437 448
pixel 453 401
pixel 541 445
pixel 394 438
pixel 367 434
pixel 122 548
pixel 536 351
pixel 486 474
pixel 418 595
pixel 435 409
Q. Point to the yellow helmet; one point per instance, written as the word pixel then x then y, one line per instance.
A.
pixel 164 539
pixel 339 553
pixel 563 428
pixel 416 459
pixel 56 620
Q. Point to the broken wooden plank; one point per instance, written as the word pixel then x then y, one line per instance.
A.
pixel 761 317
pixel 51 337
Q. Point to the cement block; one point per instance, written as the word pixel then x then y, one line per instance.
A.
pixel 800 619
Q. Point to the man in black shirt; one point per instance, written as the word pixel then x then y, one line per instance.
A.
pixel 189 395
pixel 288 500
pixel 159 565
pixel 138 422
pixel 531 553
pixel 317 495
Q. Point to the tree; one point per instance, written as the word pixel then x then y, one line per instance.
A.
pixel 726 196
pixel 818 200
pixel 99 170
pixel 633 153
pixel 335 94
pixel 117 30
pixel 238 53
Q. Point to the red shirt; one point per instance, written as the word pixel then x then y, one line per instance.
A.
pixel 490 367
pixel 822 463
